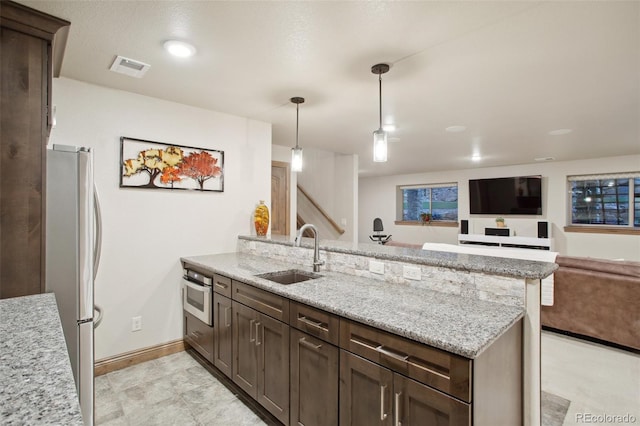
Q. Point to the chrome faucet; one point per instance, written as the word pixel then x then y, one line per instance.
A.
pixel 316 245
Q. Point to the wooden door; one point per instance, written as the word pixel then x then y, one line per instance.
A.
pixel 279 198
pixel 366 391
pixel 314 381
pixel 223 341
pixel 272 342
pixel 245 362
pixel 418 404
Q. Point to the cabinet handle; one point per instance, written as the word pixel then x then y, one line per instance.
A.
pixel 196 334
pixel 383 415
pixel 257 330
pixel 397 409
pixel 227 319
pixel 223 286
pixel 312 323
pixel 393 355
pixel 303 342
pixel 251 338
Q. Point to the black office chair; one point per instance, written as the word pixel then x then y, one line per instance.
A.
pixel 377 229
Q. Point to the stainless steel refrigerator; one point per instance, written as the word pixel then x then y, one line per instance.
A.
pixel 73 251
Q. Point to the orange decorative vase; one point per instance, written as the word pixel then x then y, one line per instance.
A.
pixel 261 219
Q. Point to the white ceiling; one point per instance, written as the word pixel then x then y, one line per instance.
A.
pixel 510 71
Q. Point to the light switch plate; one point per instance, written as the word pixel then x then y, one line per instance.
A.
pixel 411 272
pixel 376 267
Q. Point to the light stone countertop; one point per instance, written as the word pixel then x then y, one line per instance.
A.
pixel 37 386
pixel 457 324
pixel 516 268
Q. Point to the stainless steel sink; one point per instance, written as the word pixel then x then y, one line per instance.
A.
pixel 290 276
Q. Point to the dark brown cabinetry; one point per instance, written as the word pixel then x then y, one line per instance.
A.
pixel 223 336
pixel 374 395
pixel 314 366
pixel 199 335
pixel 261 355
pixel 27 56
pixel 366 391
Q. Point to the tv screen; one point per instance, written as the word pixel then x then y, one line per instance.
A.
pixel 512 195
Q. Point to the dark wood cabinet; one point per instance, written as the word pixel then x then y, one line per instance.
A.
pixel 418 404
pixel 374 395
pixel 27 57
pixel 366 392
pixel 314 381
pixel 261 359
pixel 223 336
pixel 199 336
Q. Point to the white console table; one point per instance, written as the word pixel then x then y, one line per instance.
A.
pixel 511 242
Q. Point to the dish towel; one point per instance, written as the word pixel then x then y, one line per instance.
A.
pixel 546 290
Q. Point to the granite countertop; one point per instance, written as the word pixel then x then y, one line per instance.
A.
pixel 516 268
pixel 37 381
pixel 457 324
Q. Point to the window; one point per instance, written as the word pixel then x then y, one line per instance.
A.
pixel 439 200
pixel 611 200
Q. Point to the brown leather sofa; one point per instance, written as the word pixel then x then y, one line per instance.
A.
pixel 596 298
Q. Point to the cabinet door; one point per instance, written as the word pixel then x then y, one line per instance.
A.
pixel 417 404
pixel 272 343
pixel 199 335
pixel 366 391
pixel 245 362
pixel 314 381
pixel 223 341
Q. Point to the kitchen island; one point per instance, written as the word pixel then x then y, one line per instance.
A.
pixel 37 382
pixel 469 305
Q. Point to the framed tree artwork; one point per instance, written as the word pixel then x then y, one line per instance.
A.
pixel 155 165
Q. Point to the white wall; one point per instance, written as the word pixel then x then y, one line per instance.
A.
pixel 331 179
pixel 377 198
pixel 146 231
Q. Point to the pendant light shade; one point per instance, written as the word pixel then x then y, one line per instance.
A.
pixel 296 153
pixel 380 136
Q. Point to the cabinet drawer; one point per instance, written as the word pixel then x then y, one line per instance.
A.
pixel 442 370
pixel 316 322
pixel 262 301
pixel 222 285
pixel 199 336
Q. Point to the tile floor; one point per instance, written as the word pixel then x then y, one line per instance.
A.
pixel 578 378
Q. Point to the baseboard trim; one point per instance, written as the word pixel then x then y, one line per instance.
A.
pixel 127 359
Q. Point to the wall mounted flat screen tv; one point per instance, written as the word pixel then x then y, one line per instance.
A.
pixel 506 196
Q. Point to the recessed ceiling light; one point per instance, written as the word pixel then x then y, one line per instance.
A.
pixel 559 132
pixel 389 127
pixel 455 129
pixel 179 48
pixel 476 157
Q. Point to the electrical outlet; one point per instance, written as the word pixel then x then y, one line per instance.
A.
pixel 136 323
pixel 411 272
pixel 376 267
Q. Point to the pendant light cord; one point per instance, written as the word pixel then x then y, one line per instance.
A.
pixel 297 119
pixel 380 93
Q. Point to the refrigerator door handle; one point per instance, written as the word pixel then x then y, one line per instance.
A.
pixel 85 235
pixel 97 249
pixel 98 320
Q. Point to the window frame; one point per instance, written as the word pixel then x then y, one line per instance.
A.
pixel 594 227
pixel 400 203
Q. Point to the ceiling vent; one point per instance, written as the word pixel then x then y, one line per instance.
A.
pixel 129 67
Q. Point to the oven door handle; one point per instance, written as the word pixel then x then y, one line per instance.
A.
pixel 202 288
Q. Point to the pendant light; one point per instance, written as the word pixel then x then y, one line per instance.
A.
pixel 380 136
pixel 296 153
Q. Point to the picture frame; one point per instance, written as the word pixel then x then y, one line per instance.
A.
pixel 156 165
